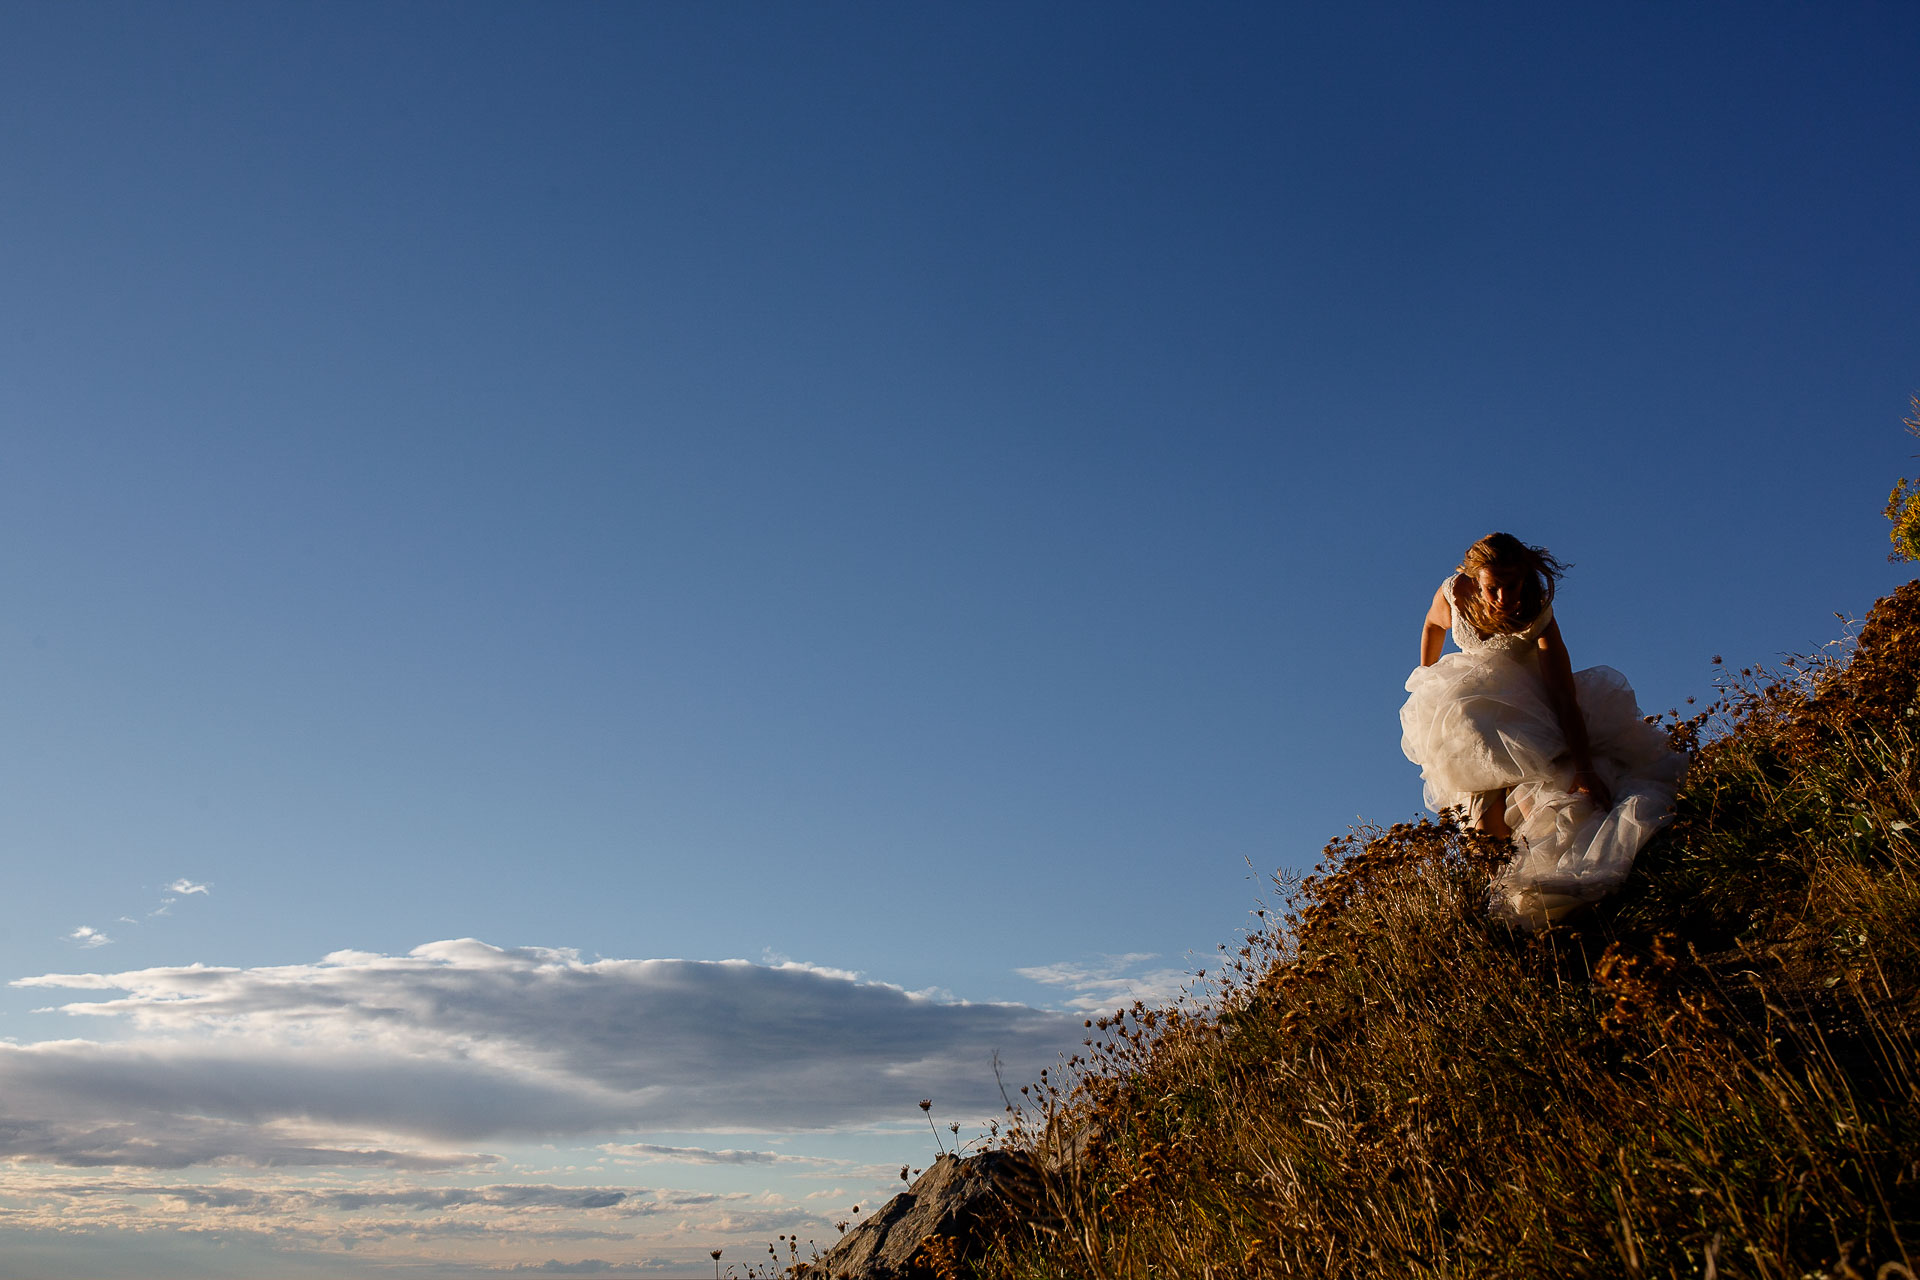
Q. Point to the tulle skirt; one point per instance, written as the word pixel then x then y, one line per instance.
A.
pixel 1481 722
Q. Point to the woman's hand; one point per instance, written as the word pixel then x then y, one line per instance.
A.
pixel 1591 785
pixel 1556 670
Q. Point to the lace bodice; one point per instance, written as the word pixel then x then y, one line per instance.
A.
pixel 1471 641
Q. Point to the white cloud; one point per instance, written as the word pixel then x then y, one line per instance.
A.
pixel 407 1061
pixel 1108 984
pixel 174 892
pixel 88 936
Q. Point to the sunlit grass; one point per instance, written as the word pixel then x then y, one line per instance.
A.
pixel 1710 1075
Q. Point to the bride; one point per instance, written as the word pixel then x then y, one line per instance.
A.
pixel 1559 761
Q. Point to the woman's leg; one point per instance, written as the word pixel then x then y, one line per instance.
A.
pixel 1487 810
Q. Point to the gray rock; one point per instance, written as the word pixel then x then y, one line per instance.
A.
pixel 973 1201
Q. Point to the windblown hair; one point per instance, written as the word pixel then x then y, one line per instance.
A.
pixel 1504 553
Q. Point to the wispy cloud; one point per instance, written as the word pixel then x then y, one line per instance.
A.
pixel 648 1153
pixel 1111 982
pixel 88 936
pixel 555 1267
pixel 170 894
pixel 364 1059
pixel 288 1200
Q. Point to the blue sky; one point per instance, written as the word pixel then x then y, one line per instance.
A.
pixel 934 503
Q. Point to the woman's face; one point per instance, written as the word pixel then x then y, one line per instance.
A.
pixel 1504 591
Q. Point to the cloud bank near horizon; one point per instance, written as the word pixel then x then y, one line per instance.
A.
pixel 410 1062
pixel 75 1227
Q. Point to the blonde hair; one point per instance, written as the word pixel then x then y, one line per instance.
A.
pixel 1502 552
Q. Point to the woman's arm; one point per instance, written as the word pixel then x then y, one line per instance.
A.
pixel 1556 669
pixel 1433 636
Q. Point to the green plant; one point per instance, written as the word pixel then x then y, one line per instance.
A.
pixel 1902 508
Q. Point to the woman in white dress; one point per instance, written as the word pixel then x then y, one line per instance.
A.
pixel 1559 761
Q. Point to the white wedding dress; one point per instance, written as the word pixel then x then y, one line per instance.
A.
pixel 1479 720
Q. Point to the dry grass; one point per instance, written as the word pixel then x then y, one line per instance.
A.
pixel 1711 1075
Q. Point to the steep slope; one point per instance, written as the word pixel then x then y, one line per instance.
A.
pixel 1712 1074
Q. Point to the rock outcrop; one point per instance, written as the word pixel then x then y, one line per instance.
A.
pixel 953 1211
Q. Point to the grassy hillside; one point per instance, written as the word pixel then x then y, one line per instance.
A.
pixel 1713 1074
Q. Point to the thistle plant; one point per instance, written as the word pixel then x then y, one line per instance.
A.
pixel 926 1109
